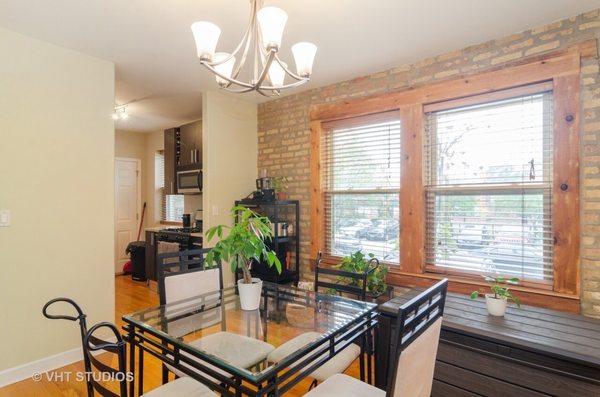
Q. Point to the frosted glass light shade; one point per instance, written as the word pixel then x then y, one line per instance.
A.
pixel 225 68
pixel 304 55
pixel 206 36
pixel 272 22
pixel 276 74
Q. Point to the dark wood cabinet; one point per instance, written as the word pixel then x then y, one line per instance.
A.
pixel 151 256
pixel 530 352
pixel 190 136
pixel 170 152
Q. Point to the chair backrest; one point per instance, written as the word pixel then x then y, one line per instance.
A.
pixel 357 281
pixel 418 329
pixel 182 275
pixel 80 317
pixel 102 374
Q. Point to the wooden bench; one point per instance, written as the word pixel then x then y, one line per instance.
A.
pixel 529 352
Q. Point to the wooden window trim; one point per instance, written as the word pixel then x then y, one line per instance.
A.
pixel 559 71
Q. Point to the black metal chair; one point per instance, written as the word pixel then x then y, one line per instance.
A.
pixel 357 287
pixel 357 281
pixel 81 318
pixel 99 370
pixel 183 276
pixel 417 337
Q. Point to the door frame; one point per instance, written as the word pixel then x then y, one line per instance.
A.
pixel 138 200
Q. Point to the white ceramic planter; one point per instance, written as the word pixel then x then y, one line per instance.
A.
pixel 250 294
pixel 495 306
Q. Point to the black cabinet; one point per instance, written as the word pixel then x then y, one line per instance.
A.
pixel 190 140
pixel 286 244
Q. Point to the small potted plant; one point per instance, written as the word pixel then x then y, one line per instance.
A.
pixel 244 244
pixel 360 263
pixel 497 300
pixel 280 184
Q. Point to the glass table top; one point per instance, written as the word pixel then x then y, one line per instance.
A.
pixel 250 342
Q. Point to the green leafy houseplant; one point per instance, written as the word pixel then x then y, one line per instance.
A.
pixel 280 183
pixel 244 243
pixel 359 263
pixel 500 288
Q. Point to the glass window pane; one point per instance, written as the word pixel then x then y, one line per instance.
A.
pixel 369 222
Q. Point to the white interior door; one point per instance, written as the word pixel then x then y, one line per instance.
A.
pixel 126 207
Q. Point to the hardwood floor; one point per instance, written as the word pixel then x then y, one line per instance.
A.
pixel 129 297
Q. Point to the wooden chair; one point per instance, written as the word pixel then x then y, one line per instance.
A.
pixel 183 276
pixel 343 359
pixel 417 337
pixel 185 386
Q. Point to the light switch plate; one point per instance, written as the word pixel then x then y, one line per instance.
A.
pixel 215 210
pixel 4 218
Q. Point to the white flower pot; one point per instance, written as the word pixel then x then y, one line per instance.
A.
pixel 495 306
pixel 250 294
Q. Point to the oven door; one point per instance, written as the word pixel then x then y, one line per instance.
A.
pixel 189 182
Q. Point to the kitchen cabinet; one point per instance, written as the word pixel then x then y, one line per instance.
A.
pixel 170 154
pixel 190 139
pixel 151 255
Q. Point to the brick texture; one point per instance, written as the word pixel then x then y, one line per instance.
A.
pixel 284 134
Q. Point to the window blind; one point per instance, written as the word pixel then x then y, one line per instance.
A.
pixel 360 162
pixel 488 175
pixel 171 206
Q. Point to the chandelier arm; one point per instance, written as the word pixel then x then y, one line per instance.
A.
pixel 248 39
pixel 232 81
pixel 288 71
pixel 263 73
pixel 283 87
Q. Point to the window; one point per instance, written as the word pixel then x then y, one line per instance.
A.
pixel 171 205
pixel 488 177
pixel 361 179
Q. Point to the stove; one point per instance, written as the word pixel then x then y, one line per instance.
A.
pixel 186 236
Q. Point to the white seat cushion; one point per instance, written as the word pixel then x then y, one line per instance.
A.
pixel 241 351
pixel 337 364
pixel 344 386
pixel 182 387
pixel 292 345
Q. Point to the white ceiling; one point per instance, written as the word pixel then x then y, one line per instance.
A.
pixel 151 44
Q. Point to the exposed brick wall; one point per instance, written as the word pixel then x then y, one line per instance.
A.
pixel 284 134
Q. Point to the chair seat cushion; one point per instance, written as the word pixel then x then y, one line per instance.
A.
pixel 241 351
pixel 337 364
pixel 292 345
pixel 344 386
pixel 182 387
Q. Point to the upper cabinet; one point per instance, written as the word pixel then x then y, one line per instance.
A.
pixel 170 155
pixel 190 141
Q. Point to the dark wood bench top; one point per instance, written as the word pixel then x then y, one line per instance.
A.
pixel 566 336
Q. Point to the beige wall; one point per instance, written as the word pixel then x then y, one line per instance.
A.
pixel 56 178
pixel 284 131
pixel 229 145
pixel 155 141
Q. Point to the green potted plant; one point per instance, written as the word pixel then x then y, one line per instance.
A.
pixel 497 300
pixel 360 263
pixel 280 184
pixel 244 243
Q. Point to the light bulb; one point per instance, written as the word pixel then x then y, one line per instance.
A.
pixel 272 22
pixel 225 68
pixel 206 36
pixel 304 55
pixel 276 74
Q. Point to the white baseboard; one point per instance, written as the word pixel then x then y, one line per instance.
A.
pixel 25 371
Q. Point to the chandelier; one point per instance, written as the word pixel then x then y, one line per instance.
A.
pixel 262 39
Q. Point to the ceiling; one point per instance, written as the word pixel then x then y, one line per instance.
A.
pixel 157 71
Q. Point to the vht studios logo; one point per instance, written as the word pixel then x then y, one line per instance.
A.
pixel 67 376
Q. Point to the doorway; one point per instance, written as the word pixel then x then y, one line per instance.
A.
pixel 128 200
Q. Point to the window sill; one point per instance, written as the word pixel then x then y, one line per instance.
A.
pixel 466 285
pixel 171 223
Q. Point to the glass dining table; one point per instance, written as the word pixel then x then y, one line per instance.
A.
pixel 263 352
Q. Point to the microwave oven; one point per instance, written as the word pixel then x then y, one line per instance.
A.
pixel 189 182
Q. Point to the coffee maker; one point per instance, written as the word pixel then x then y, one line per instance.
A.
pixel 264 188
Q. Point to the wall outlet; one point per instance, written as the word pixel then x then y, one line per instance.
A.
pixel 4 218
